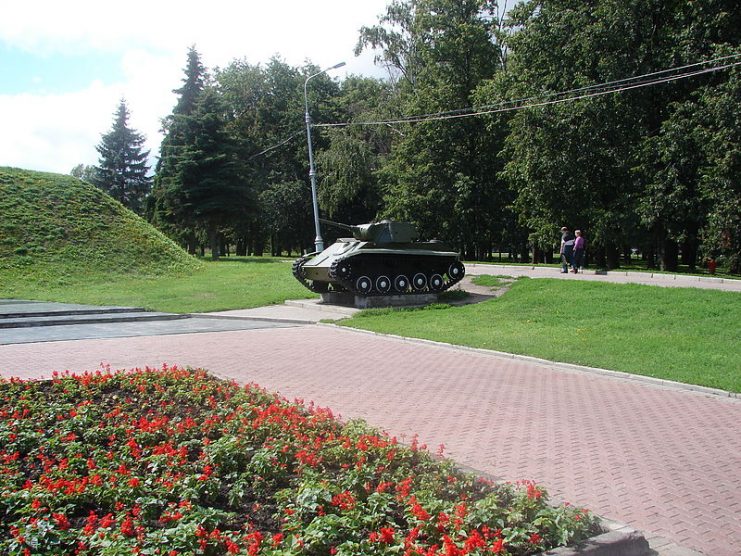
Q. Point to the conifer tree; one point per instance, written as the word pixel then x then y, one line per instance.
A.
pixel 122 170
pixel 200 188
pixel 168 207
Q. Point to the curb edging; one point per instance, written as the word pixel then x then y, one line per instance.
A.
pixel 736 396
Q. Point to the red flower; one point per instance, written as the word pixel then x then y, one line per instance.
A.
pixel 535 538
pixel 61 521
pixel 474 540
pixel 253 543
pixel 533 492
pixel 386 535
pixel 450 548
pixel 90 523
pixel 418 511
pixel 127 527
pixel 344 500
pixel 384 486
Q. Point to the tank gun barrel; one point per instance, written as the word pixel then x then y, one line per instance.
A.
pixel 347 227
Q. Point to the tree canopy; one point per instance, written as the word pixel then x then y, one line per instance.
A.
pixel 497 125
pixel 123 172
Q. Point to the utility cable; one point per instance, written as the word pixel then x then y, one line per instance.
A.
pixel 531 102
pixel 277 145
pixel 600 89
pixel 560 93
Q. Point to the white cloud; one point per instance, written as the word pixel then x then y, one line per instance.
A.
pixel 55 132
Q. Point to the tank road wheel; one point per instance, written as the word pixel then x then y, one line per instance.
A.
pixel 436 282
pixel 419 282
pixel 364 285
pixel 456 271
pixel 383 284
pixel 401 283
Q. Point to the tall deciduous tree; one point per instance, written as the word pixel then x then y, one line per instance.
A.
pixel 123 170
pixel 349 189
pixel 622 166
pixel 83 172
pixel 442 173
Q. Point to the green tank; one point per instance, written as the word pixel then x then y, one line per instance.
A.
pixel 381 258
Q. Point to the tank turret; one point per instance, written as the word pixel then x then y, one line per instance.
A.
pixel 385 231
pixel 382 258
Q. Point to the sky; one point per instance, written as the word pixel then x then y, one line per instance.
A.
pixel 64 66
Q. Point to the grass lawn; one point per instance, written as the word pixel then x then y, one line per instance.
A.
pixel 682 334
pixel 230 283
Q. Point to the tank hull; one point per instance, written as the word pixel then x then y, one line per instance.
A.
pixel 367 268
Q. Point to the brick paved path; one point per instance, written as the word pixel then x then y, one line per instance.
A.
pixel 663 460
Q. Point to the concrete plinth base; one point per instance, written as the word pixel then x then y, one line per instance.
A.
pixel 376 301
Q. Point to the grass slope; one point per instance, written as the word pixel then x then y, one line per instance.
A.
pixel 61 239
pixel 682 334
pixel 52 225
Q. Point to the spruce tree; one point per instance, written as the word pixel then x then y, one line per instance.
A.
pixel 122 170
pixel 169 212
pixel 200 188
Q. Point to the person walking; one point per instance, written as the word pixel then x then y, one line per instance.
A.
pixel 579 246
pixel 567 250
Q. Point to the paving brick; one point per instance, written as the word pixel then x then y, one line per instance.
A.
pixel 661 459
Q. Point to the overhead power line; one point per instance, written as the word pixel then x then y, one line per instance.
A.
pixel 580 93
pixel 277 145
pixel 589 91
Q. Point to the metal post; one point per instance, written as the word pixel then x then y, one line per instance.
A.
pixel 318 241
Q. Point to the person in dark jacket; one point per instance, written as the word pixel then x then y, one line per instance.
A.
pixel 567 250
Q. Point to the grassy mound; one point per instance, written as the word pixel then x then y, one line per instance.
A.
pixel 54 226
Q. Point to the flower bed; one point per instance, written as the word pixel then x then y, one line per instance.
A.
pixel 174 461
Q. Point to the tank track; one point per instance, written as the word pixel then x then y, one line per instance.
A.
pixel 298 273
pixel 341 271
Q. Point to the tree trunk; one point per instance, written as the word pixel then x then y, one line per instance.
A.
pixel 669 259
pixel 524 252
pixel 690 248
pixel 650 256
pixel 258 248
pixel 213 242
pixel 613 258
pixel 537 254
pixel 600 258
pixel 241 247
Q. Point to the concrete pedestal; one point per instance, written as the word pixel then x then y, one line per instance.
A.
pixel 377 301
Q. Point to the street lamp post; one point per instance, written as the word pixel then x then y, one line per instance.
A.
pixel 318 241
